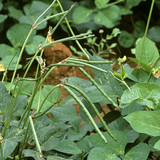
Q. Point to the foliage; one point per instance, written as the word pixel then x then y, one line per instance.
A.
pixel 34 124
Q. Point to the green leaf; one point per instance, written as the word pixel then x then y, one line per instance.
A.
pixel 25 89
pixel 139 28
pixel 126 39
pixel 6 50
pixel 132 3
pixel 140 151
pixel 77 131
pixel 101 3
pixel 145 93
pixel 32 153
pixel 18 33
pixel 64 113
pixel 10 141
pixel 15 13
pixel 32 47
pixel 82 15
pixel 109 17
pixel 99 153
pixel 157 145
pixel 154 34
pixel 3 18
pixel 150 53
pixel 6 61
pixel 117 147
pixel 68 146
pixel 52 98
pixel 138 75
pixel 145 122
pixel 32 12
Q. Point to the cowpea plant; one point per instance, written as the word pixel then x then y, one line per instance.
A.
pixel 129 131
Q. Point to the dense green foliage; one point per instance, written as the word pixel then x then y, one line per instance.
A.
pixel 31 124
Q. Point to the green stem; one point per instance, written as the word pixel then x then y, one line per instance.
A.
pixel 88 65
pixel 86 112
pixel 45 111
pixel 145 33
pixel 19 58
pixel 91 62
pixel 38 110
pixel 94 108
pixel 70 29
pixel 50 17
pixel 98 87
pixel 35 136
pixel 44 12
pixel 2 155
pixel 80 36
pixel 122 81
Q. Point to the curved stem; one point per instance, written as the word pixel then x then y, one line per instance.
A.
pixel 98 87
pixel 86 111
pixel 70 29
pixel 145 34
pixel 94 108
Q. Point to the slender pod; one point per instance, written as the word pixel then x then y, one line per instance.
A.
pixel 86 112
pixel 94 108
pixel 88 65
pixel 35 136
pixel 99 87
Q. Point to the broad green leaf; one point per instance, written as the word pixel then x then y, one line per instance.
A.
pixel 152 141
pixel 100 153
pixel 75 133
pixel 68 146
pixel 52 98
pixel 132 3
pixel 19 107
pixel 32 47
pixel 117 147
pixel 126 39
pixel 18 33
pixel 157 145
pixel 149 54
pixel 32 12
pixel 82 15
pixel 82 84
pixel 144 66
pixel 140 151
pixel 109 17
pixel 145 122
pixel 10 62
pixel 32 153
pixel 138 75
pixel 154 34
pixel 145 93
pixel 25 89
pixel 100 75
pixel 101 3
pixel 6 50
pixel 3 17
pixel 121 125
pixel 10 141
pixel 15 13
pixel 139 28
pixel 4 97
pixel 64 113
pixel 49 133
